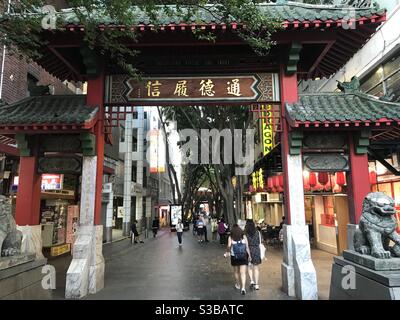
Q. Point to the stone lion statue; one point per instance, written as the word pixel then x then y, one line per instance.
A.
pixel 377 227
pixel 10 237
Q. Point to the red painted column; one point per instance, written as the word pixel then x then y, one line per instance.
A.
pixel 358 182
pixel 28 196
pixel 289 94
pixel 95 98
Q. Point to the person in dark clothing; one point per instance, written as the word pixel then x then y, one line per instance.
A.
pixel 282 223
pixel 155 226
pixel 135 233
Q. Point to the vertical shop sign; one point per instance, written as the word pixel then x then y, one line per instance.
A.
pixel 267 129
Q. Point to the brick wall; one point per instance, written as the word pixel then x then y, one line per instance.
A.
pixel 15 83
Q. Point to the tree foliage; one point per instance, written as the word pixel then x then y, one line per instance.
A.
pixel 21 25
pixel 216 176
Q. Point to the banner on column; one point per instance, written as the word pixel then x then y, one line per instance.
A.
pixel 267 129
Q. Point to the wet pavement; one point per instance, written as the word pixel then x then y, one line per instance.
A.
pixel 160 269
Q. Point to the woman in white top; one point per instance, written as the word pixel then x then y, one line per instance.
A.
pixel 238 248
pixel 179 231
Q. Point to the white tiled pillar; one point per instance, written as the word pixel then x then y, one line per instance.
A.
pixel 140 163
pixel 126 221
pixel 86 271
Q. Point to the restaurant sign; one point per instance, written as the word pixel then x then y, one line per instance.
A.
pixel 202 89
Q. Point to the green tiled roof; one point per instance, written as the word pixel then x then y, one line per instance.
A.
pixel 289 11
pixel 62 109
pixel 341 107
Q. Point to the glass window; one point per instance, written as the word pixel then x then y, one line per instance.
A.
pixel 144 177
pixel 396 189
pixel 385 188
pixel 122 134
pixel 377 91
pixel 391 66
pixel 393 84
pixel 371 81
pixel 134 170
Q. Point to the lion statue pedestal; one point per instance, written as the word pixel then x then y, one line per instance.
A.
pixel 372 269
pixel 20 273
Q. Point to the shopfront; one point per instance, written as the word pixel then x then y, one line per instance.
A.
pixel 383 180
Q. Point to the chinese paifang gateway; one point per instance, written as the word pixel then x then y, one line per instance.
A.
pixel 311 43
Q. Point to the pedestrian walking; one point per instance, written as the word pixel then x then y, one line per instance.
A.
pixel 214 229
pixel 205 221
pixel 239 251
pixel 155 226
pixel 254 240
pixel 135 233
pixel 222 227
pixel 179 231
pixel 200 229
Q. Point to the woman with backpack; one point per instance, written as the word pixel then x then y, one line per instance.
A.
pixel 239 251
pixel 254 239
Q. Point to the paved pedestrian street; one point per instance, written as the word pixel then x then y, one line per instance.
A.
pixel 161 270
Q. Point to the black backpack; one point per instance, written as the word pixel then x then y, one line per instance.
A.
pixel 239 250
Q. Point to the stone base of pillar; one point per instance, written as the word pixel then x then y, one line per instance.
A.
pixel 298 272
pixel 86 272
pixel 287 264
pixel 126 229
pixel 351 229
pixel 32 240
pixel 108 234
pixel 96 277
pixel 288 280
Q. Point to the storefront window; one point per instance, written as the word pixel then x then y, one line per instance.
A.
pixel 396 191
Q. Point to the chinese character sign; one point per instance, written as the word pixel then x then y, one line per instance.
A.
pixel 239 88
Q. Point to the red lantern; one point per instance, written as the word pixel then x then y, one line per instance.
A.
pixel 341 178
pixel 280 183
pixel 373 178
pixel 276 181
pixel 319 187
pixel 270 183
pixel 323 178
pixel 306 184
pixel 312 180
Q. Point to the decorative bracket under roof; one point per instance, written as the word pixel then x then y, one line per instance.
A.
pixel 91 61
pixel 361 141
pixel 295 142
pixel 88 144
pixel 23 144
pixel 293 58
pixel 349 87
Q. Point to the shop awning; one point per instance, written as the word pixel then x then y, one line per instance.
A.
pixel 345 109
pixel 48 113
